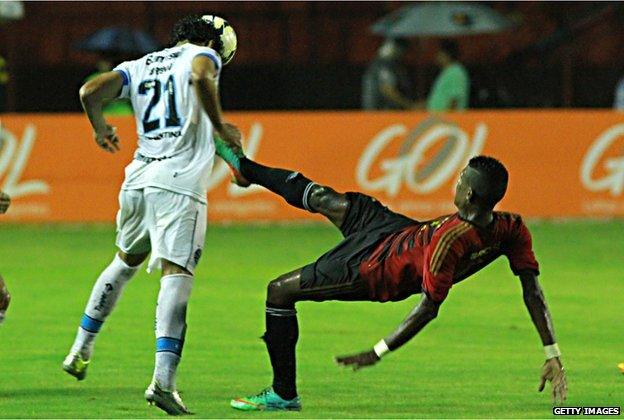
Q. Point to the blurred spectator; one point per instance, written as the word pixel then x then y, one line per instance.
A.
pixel 385 81
pixel 116 107
pixel 451 89
pixel 4 80
pixel 618 102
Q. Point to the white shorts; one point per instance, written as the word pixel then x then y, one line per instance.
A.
pixel 172 226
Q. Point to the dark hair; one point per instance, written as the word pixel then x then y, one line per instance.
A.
pixel 194 29
pixel 450 47
pixel 492 185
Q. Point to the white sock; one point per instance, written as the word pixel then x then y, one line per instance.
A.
pixel 105 293
pixel 175 290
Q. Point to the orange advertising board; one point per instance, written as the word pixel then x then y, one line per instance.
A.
pixel 561 163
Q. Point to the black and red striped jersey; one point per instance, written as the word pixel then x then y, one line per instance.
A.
pixel 431 256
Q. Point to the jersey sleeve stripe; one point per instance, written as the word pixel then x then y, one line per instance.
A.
pixel 124 76
pixel 444 245
pixel 212 57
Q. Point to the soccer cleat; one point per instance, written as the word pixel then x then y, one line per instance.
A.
pixel 169 402
pixel 267 400
pixel 76 366
pixel 232 157
pixel 621 367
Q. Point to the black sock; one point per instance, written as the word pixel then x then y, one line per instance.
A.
pixel 292 186
pixel 282 333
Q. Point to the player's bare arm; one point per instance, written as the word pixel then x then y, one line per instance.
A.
pixel 5 202
pixel 552 370
pixel 92 96
pixel 204 79
pixel 420 316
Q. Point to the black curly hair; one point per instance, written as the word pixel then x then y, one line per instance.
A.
pixel 492 184
pixel 194 29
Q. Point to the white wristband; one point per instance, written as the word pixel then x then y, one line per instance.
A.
pixel 552 351
pixel 381 348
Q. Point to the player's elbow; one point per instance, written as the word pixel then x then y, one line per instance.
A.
pixel 432 312
pixel 88 92
pixel 429 307
pixel 429 311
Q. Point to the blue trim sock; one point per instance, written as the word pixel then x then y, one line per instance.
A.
pixel 91 325
pixel 172 345
pixel 104 295
pixel 175 290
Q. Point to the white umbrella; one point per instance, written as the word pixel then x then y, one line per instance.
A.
pixel 443 19
pixel 11 10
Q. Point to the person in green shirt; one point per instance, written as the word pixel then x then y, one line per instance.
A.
pixel 451 89
pixel 114 107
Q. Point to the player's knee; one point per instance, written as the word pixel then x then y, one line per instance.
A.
pixel 326 200
pixel 132 260
pixel 169 268
pixel 278 294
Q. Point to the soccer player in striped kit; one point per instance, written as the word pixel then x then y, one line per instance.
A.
pixel 386 256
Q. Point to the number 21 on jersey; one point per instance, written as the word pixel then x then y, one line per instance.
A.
pixel 159 91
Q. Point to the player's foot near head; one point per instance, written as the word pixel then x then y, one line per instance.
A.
pixel 267 400
pixel 232 156
pixel 76 366
pixel 168 401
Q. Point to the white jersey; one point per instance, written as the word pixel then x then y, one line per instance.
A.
pixel 171 124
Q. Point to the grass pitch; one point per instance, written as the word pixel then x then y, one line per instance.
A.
pixel 480 358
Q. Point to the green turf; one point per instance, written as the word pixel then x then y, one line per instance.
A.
pixel 480 358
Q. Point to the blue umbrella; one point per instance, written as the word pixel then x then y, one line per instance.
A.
pixel 119 40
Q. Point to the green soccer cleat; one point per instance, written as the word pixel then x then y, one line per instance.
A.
pixel 76 366
pixel 168 401
pixel 267 400
pixel 231 156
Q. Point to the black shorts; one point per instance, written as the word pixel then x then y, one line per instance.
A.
pixel 336 274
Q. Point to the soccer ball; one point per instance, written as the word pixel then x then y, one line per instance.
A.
pixel 226 45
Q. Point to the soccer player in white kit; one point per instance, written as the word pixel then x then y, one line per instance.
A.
pixel 174 94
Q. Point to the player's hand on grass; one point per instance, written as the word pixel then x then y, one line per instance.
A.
pixel 107 139
pixel 553 372
pixel 231 134
pixel 5 299
pixel 358 361
pixel 5 201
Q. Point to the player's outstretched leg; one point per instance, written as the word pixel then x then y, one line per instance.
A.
pixel 175 291
pixel 295 188
pixel 106 291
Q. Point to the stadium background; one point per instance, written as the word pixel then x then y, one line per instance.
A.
pixel 480 359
